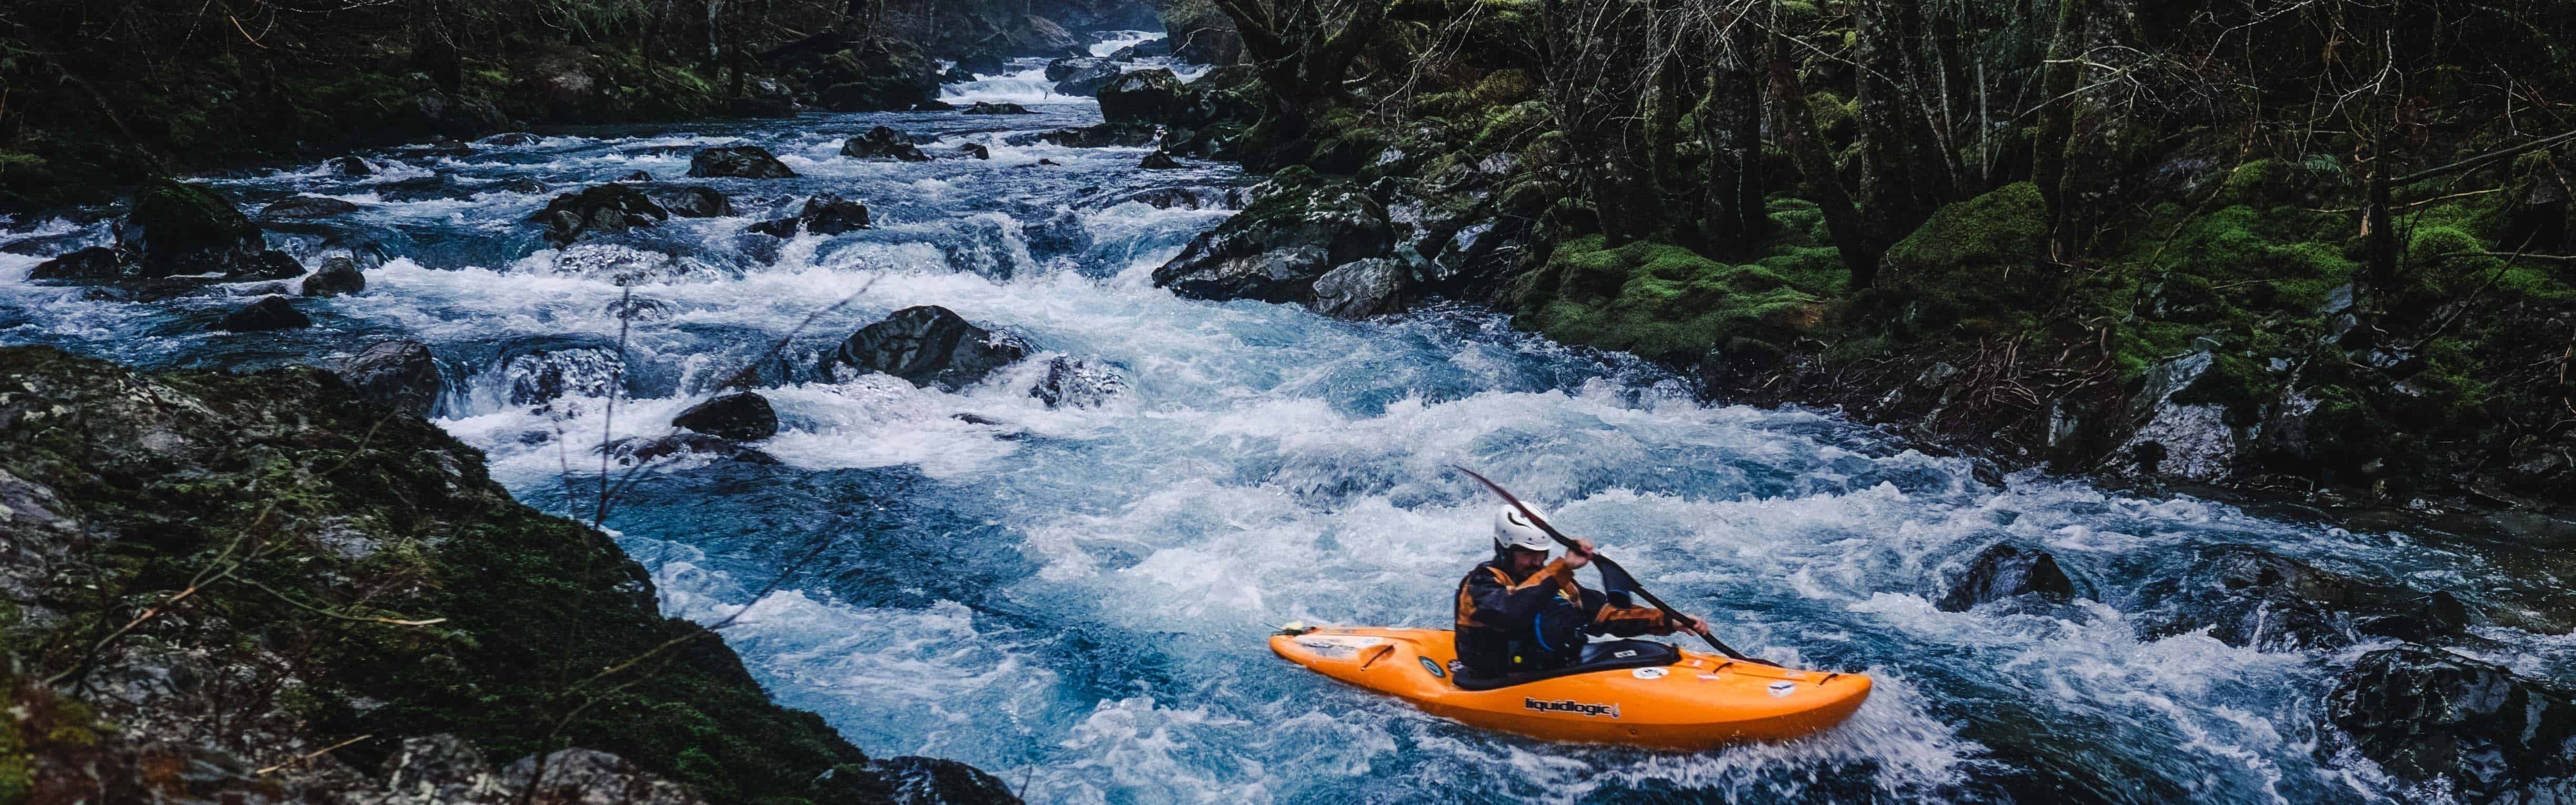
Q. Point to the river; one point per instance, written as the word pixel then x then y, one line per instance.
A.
pixel 1076 599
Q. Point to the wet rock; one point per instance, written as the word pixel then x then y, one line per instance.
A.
pixel 738 161
pixel 2001 572
pixel 825 214
pixel 400 374
pixel 180 229
pixel 982 63
pixel 1081 75
pixel 2420 620
pixel 696 201
pixel 96 263
pixel 338 276
pixel 597 210
pixel 2473 728
pixel 1145 96
pixel 929 346
pixel 1159 160
pixel 883 143
pixel 1277 248
pixel 513 139
pixel 2246 596
pixel 1098 135
pixel 2191 439
pixel 930 781
pixel 304 207
pixel 635 176
pixel 1033 35
pixel 628 451
pixel 456 116
pixel 546 369
pixel 956 75
pixel 984 108
pixel 976 150
pixel 1079 383
pixel 1184 198
pixel 1142 50
pixel 269 313
pixel 1201 35
pixel 347 166
pixel 1362 288
pixel 741 416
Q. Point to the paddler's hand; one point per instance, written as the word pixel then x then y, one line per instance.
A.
pixel 1579 555
pixel 1694 625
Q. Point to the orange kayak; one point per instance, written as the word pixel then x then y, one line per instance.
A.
pixel 1635 692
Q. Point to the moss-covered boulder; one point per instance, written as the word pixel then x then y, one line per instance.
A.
pixel 1146 96
pixel 177 229
pixel 1276 249
pixel 1979 259
pixel 1660 300
pixel 326 584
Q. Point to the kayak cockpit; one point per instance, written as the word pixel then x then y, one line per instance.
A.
pixel 1607 655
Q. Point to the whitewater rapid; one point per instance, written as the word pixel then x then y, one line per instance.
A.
pixel 1075 599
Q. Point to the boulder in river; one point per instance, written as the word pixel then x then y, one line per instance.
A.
pixel 741 416
pixel 297 207
pixel 982 62
pixel 338 276
pixel 269 313
pixel 1159 160
pixel 738 161
pixel 598 209
pixel 1145 96
pixel 347 166
pixel 401 374
pixel 1276 249
pixel 1077 382
pixel 183 229
pixel 1083 75
pixel 1097 135
pixel 976 150
pixel 92 264
pixel 694 201
pixel 2473 728
pixel 2003 572
pixel 988 108
pixel 825 214
pixel 883 142
pixel 2246 596
pixel 629 450
pixel 928 345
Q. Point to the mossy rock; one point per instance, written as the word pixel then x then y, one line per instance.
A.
pixel 1660 300
pixel 1974 259
pixel 180 218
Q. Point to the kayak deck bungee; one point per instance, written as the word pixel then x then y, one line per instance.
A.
pixel 1696 702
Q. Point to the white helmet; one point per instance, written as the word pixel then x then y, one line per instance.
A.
pixel 1512 529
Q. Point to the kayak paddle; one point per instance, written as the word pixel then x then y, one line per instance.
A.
pixel 1610 571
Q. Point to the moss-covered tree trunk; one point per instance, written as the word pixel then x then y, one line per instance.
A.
pixel 2057 119
pixel 1729 119
pixel 1795 125
pixel 1887 162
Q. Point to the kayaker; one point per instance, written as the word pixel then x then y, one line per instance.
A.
pixel 1521 612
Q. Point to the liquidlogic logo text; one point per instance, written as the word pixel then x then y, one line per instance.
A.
pixel 1572 706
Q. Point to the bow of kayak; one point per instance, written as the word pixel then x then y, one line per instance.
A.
pixel 1697 702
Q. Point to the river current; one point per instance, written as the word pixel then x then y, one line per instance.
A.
pixel 1076 599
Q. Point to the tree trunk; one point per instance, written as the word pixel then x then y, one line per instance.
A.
pixel 1796 128
pixel 1729 119
pixel 2057 123
pixel 1887 187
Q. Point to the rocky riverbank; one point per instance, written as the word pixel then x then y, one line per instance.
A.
pixel 258 588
